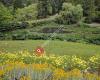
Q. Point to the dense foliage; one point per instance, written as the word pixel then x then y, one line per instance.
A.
pixel 70 14
pixel 26 14
pixel 91 8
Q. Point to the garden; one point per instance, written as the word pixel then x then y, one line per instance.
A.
pixel 49 39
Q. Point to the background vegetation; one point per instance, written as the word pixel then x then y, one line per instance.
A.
pixel 37 19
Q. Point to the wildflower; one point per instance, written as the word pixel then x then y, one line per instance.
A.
pixel 90 76
pixel 93 59
pixel 40 66
pixel 76 73
pixel 59 73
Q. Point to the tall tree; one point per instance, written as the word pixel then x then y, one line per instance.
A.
pixel 89 9
pixel 42 8
pixel 97 4
pixel 56 5
pixel 5 16
pixel 7 2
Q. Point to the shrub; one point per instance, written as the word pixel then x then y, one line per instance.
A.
pixel 14 25
pixel 21 25
pixel 19 35
pixel 37 36
pixel 94 40
pixel 26 13
pixel 94 62
pixel 70 14
pixel 2 36
pixel 81 24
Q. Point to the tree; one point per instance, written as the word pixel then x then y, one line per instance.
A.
pixel 56 5
pixel 26 13
pixel 7 2
pixel 5 17
pixel 14 4
pixel 97 4
pixel 42 8
pixel 74 2
pixel 70 14
pixel 89 10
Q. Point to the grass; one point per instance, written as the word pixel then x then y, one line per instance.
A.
pixel 54 47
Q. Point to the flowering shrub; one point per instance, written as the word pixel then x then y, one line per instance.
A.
pixel 26 66
pixel 79 63
pixel 94 62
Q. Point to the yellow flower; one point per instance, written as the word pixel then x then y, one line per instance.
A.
pixel 40 66
pixel 9 68
pixel 2 72
pixel 75 73
pixel 11 56
pixel 90 76
pixel 93 59
pixel 59 73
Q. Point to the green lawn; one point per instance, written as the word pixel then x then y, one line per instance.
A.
pixel 54 47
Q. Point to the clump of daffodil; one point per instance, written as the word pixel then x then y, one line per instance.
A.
pixel 58 61
pixel 79 63
pixel 94 62
pixel 93 59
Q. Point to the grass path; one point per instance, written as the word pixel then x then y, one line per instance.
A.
pixel 54 47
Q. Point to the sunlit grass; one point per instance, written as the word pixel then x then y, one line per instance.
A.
pixel 53 47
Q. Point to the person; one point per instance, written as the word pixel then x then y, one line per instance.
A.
pixel 39 51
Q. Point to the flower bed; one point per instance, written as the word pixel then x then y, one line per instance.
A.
pixel 26 66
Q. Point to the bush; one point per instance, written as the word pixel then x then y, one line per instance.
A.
pixel 94 40
pixel 13 26
pixel 2 36
pixel 23 35
pixel 38 36
pixel 70 14
pixel 26 13
pixel 19 35
pixel 21 25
